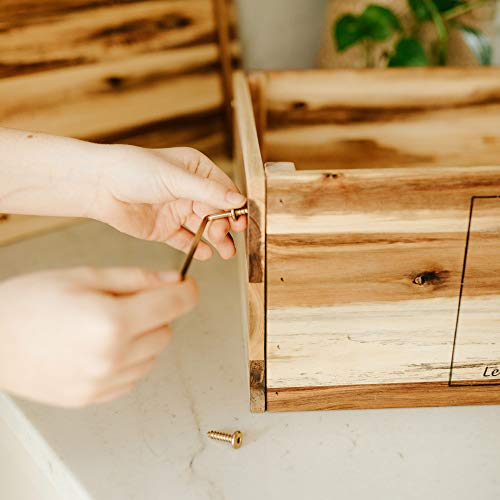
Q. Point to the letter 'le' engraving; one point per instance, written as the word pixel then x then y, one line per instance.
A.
pixel 491 371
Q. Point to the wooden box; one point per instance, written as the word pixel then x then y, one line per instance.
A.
pixel 374 261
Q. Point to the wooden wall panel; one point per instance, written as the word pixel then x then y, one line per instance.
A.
pixel 379 119
pixel 251 171
pixel 364 270
pixel 147 72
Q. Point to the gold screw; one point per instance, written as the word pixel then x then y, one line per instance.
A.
pixel 236 438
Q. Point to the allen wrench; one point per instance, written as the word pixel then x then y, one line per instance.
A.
pixel 233 213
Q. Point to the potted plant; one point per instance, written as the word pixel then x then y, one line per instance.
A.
pixel 409 33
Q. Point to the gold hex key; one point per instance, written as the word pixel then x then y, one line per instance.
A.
pixel 233 213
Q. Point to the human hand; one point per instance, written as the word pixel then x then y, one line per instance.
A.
pixel 163 195
pixel 82 336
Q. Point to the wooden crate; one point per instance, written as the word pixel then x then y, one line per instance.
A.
pixel 374 262
pixel 154 73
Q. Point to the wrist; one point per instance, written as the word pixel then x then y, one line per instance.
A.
pixel 47 175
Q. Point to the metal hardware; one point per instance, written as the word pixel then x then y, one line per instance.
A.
pixel 235 439
pixel 233 213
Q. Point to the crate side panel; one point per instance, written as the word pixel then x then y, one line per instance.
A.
pixel 364 271
pixel 379 119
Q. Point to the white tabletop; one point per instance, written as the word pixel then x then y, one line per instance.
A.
pixel 152 444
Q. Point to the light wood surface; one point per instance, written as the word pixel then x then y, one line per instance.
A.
pixel 379 119
pixel 345 250
pixel 252 170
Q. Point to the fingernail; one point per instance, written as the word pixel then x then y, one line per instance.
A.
pixel 235 198
pixel 170 276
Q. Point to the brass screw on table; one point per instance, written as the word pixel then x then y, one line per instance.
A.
pixel 235 439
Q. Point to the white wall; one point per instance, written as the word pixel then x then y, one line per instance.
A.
pixel 280 33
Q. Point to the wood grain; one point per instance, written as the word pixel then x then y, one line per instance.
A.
pixel 366 241
pixel 379 396
pixel 379 119
pixel 252 169
pixel 364 270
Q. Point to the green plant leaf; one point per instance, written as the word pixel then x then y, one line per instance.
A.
pixel 478 42
pixel 379 23
pixel 419 9
pixel 444 5
pixel 408 52
pixel 348 30
pixel 423 13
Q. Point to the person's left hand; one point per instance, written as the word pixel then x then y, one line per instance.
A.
pixel 163 195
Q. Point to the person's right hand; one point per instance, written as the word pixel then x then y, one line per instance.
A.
pixel 82 336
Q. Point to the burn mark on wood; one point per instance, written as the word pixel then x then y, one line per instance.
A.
pixel 370 153
pixel 300 112
pixel 257 375
pixel 255 257
pixel 436 279
pixel 115 81
pixel 328 175
pixel 139 30
pixel 4 217
pixel 119 83
pixel 23 68
pixel 299 105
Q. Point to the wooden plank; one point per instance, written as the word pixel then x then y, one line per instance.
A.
pixel 379 396
pixel 364 270
pixel 249 152
pixel 224 19
pixel 75 33
pixel 152 87
pixel 378 119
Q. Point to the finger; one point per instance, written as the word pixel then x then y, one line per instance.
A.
pixel 206 190
pixel 133 373
pixel 151 309
pixel 196 162
pixel 240 224
pixel 119 280
pixel 218 235
pixel 113 393
pixel 182 240
pixel 147 346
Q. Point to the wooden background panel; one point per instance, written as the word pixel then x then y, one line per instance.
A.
pixel 69 33
pixel 114 70
pixel 365 119
pixel 364 271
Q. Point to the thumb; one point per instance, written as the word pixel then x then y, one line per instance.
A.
pixel 193 187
